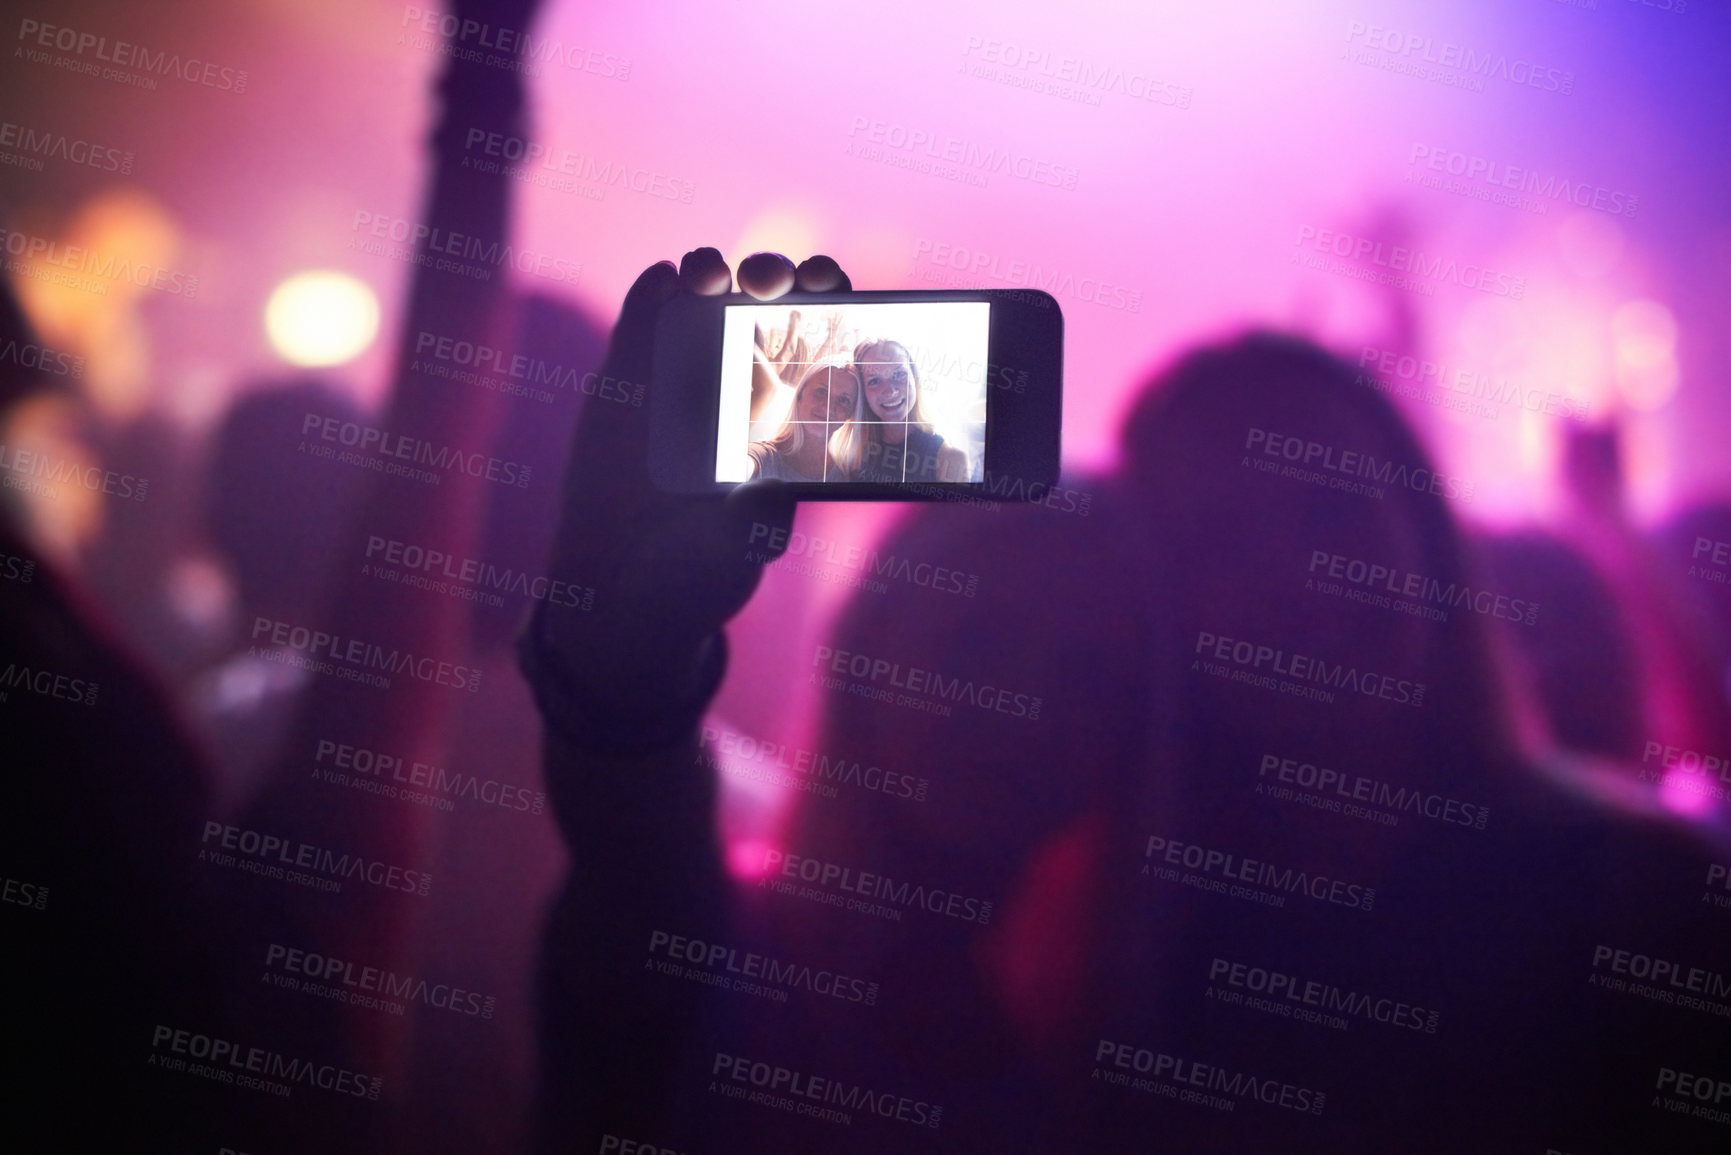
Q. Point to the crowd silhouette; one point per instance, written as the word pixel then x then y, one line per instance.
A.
pixel 1261 807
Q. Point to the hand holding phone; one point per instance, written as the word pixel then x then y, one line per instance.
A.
pixel 668 569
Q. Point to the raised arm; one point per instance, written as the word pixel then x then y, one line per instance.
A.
pixel 621 689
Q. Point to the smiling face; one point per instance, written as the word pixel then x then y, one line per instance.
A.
pixel 888 375
pixel 828 397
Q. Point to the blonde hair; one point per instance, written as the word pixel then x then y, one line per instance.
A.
pixel 790 438
pixel 853 441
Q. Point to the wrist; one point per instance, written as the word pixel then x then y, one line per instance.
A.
pixel 595 708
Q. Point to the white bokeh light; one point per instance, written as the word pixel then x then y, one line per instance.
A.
pixel 321 318
pixel 1644 334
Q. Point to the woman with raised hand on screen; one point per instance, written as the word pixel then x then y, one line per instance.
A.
pixel 827 394
pixel 892 439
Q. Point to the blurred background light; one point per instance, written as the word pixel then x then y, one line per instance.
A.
pixel 1644 335
pixel 321 318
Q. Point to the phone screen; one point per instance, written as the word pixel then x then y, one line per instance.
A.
pixel 884 393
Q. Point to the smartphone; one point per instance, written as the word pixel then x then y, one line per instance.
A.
pixel 863 396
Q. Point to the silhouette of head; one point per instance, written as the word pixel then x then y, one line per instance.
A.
pixel 275 513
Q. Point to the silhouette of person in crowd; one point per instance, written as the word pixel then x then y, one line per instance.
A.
pixel 275 516
pixel 1574 649
pixel 114 941
pixel 500 854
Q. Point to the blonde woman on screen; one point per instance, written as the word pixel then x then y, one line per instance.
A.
pixel 892 438
pixel 827 394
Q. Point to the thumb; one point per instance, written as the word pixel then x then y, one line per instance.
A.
pixel 628 354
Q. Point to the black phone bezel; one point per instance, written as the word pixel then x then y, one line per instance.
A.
pixel 1025 336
